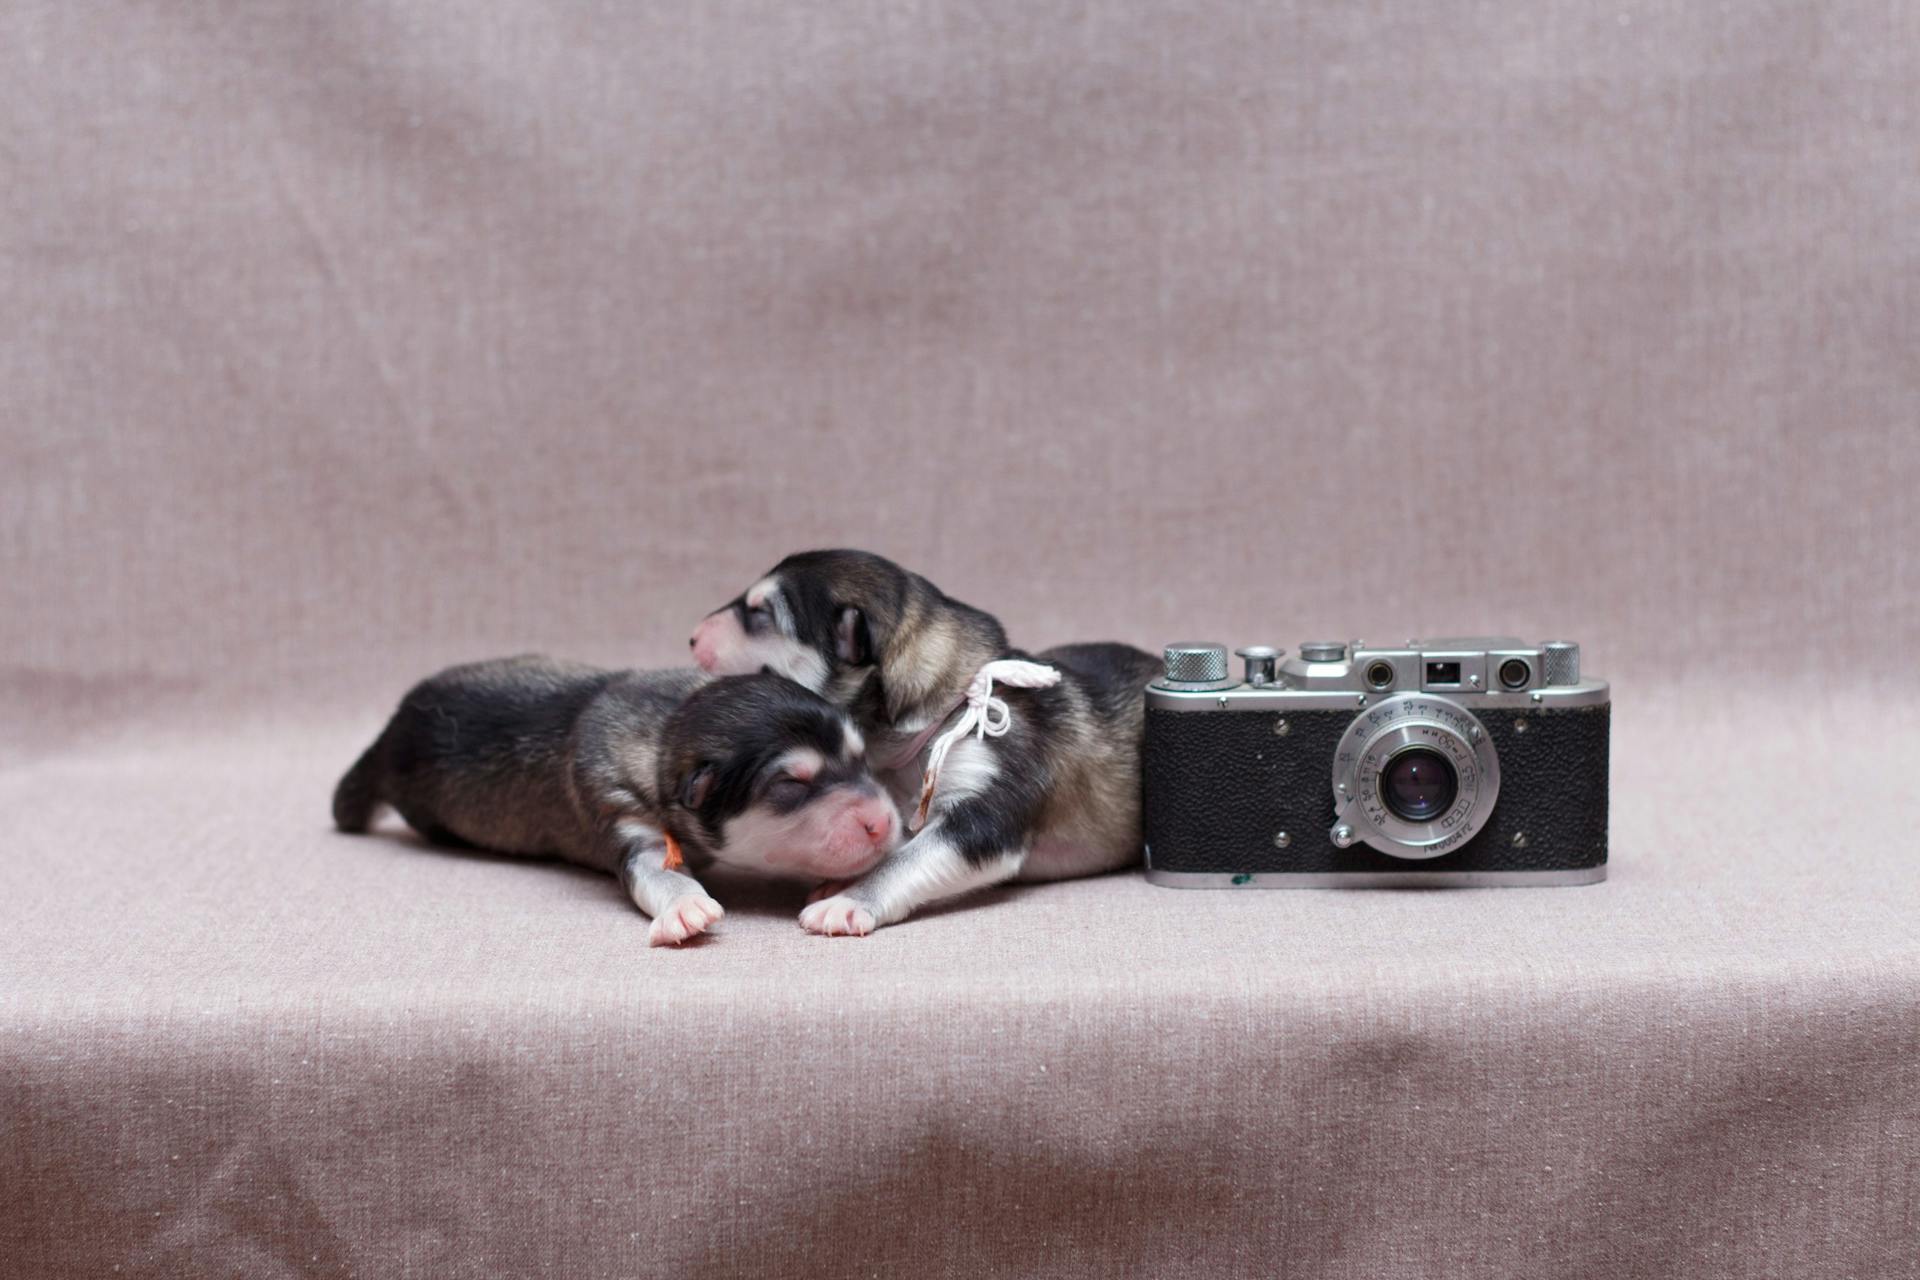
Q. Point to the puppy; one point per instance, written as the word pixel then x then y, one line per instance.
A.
pixel 1048 787
pixel 651 775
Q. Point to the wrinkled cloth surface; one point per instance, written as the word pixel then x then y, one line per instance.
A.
pixel 347 341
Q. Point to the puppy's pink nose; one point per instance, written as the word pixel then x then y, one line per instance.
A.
pixel 701 642
pixel 878 824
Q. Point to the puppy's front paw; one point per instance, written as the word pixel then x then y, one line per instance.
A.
pixel 687 916
pixel 835 916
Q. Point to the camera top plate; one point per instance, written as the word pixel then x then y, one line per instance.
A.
pixel 1484 672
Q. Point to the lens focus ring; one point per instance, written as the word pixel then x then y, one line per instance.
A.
pixel 1414 776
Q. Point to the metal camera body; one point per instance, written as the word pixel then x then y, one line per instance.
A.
pixel 1478 761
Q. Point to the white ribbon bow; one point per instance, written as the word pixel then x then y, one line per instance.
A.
pixel 984 716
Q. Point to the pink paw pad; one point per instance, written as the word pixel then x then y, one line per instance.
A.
pixel 837 917
pixel 686 917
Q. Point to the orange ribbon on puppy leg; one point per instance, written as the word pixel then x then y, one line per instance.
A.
pixel 674 861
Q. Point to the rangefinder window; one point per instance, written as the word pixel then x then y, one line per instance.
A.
pixel 1443 675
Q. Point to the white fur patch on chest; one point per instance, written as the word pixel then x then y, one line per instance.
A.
pixel 982 716
pixel 970 768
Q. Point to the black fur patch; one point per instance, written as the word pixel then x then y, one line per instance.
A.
pixel 1113 676
pixel 487 715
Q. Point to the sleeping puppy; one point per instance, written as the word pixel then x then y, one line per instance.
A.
pixel 1056 794
pixel 650 775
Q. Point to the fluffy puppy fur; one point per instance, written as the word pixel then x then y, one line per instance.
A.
pixel 619 770
pixel 1058 795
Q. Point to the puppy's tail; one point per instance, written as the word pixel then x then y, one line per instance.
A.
pixel 358 794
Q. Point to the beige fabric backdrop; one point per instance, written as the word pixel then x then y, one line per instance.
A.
pixel 480 325
pixel 341 341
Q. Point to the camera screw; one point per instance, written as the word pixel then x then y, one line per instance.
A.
pixel 1360 701
pixel 1519 726
pixel 1281 839
pixel 1342 836
pixel 1281 728
pixel 1537 697
pixel 1519 839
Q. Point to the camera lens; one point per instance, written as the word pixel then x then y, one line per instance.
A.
pixel 1514 673
pixel 1379 675
pixel 1418 784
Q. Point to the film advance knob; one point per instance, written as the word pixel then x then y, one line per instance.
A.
pixel 1324 651
pixel 1260 660
pixel 1196 663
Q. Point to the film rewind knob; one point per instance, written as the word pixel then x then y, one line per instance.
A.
pixel 1196 663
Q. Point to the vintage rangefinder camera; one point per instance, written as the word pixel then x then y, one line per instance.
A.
pixel 1444 762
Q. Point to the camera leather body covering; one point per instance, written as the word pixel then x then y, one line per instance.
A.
pixel 1221 785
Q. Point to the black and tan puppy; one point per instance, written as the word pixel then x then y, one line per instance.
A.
pixel 650 775
pixel 1048 787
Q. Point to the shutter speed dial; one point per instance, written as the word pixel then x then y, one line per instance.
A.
pixel 1261 660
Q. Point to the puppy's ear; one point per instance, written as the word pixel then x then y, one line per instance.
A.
pixel 693 789
pixel 852 642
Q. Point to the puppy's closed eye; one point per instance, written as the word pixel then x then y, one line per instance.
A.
pixel 696 785
pixel 788 791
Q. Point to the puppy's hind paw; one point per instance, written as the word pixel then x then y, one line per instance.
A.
pixel 837 916
pixel 687 916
